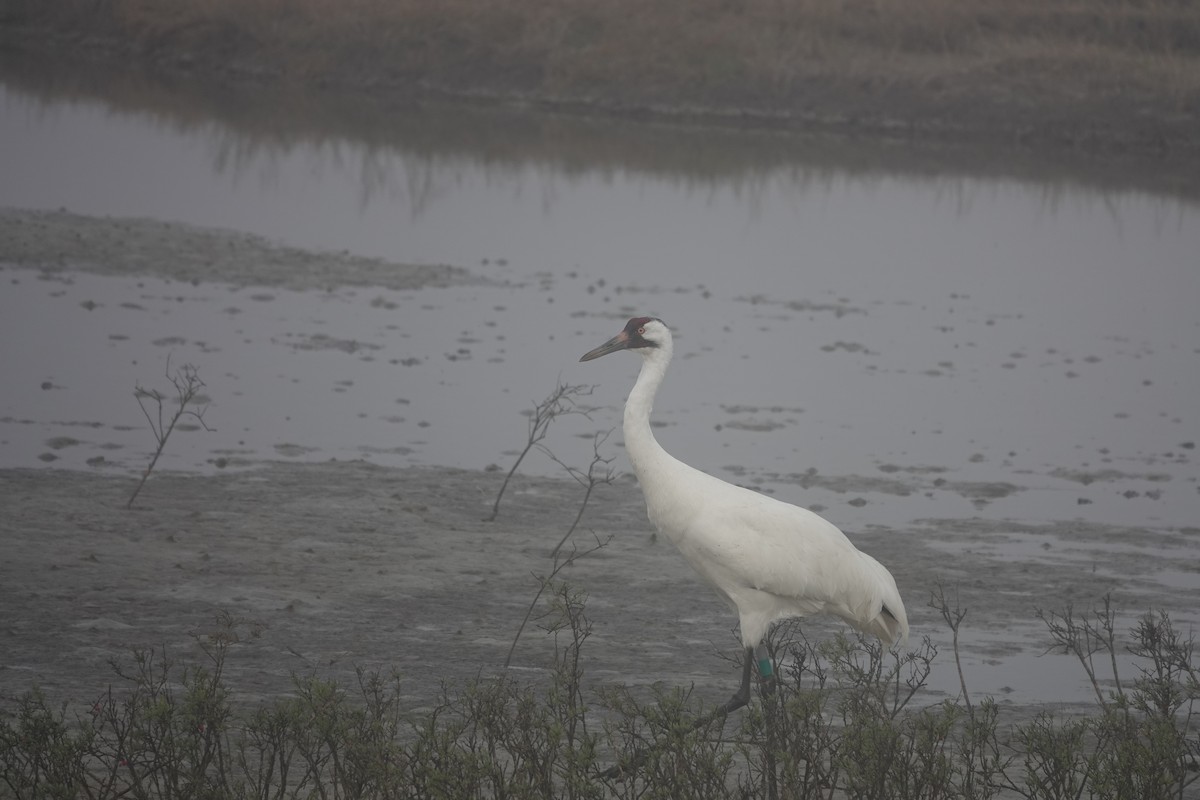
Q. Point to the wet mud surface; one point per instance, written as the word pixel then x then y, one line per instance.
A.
pixel 56 242
pixel 348 564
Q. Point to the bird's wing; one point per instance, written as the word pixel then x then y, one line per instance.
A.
pixel 765 545
pixel 786 550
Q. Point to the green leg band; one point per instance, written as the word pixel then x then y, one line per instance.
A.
pixel 764 667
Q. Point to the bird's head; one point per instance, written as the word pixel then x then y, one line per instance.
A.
pixel 643 335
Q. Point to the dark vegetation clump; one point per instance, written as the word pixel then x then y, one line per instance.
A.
pixel 847 720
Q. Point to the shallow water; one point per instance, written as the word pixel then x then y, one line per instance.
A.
pixel 884 332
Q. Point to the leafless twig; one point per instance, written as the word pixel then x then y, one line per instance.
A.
pixel 598 472
pixel 547 581
pixel 954 616
pixel 588 480
pixel 1082 637
pixel 558 403
pixel 187 383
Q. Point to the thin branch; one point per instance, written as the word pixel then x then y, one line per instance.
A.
pixel 953 617
pixel 1080 638
pixel 187 383
pixel 560 402
pixel 589 480
pixel 546 582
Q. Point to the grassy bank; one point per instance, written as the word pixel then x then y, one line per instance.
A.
pixel 1118 73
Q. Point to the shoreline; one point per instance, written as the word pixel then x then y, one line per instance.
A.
pixel 271 113
pixel 1152 128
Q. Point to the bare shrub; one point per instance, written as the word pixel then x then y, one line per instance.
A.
pixel 187 384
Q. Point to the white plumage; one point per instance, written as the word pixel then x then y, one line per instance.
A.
pixel 768 559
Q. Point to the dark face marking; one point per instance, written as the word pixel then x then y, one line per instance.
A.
pixel 631 337
pixel 634 330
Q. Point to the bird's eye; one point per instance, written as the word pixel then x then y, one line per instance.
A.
pixel 642 331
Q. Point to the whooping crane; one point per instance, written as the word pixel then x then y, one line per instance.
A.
pixel 768 559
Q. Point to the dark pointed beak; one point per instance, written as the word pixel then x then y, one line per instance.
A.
pixel 618 342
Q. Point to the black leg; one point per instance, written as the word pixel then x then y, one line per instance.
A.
pixel 742 697
pixel 766 688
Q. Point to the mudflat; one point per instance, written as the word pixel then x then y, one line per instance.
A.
pixel 347 564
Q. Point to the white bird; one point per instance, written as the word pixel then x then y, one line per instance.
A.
pixel 767 559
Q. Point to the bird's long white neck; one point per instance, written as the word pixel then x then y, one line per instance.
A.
pixel 647 455
pixel 674 491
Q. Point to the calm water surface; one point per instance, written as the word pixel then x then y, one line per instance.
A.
pixel 888 332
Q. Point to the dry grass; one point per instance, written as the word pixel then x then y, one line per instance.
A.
pixel 982 62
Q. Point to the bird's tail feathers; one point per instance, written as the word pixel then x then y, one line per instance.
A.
pixel 887 627
pixel 894 628
pixel 890 623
